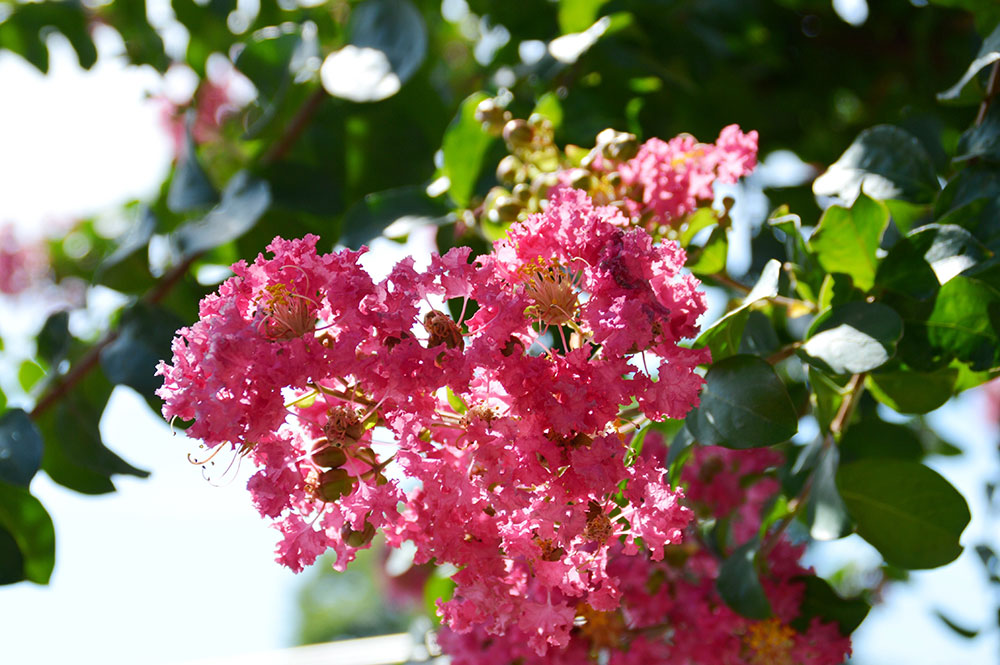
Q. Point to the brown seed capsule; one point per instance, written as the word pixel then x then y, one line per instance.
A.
pixel 328 455
pixel 442 330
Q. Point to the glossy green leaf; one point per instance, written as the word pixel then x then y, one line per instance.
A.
pixel 190 189
pixel 912 515
pixel 739 584
pixel 819 600
pixel 846 240
pixel 884 162
pixel 24 517
pixel 11 559
pixel 244 200
pixel 989 53
pixel 723 337
pixel 909 391
pixel 54 338
pixel 962 324
pixel 144 336
pixel 395 212
pixel 826 514
pixel 743 405
pixel 464 148
pixel 388 43
pixel 20 448
pixel 711 258
pixel 873 438
pixel 578 15
pixel 852 338
pixel 25 30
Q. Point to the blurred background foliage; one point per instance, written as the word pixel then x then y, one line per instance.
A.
pixel 329 138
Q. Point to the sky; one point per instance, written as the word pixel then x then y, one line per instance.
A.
pixel 172 568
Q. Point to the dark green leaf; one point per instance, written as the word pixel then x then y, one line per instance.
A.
pixel 876 439
pixel 912 515
pixel 24 517
pixel 989 53
pixel 244 200
pixel 54 338
pixel 739 584
pixel 962 323
pixel 759 337
pixel 723 337
pixel 11 559
pixel 20 448
pixel 743 405
pixel 464 148
pixel 967 633
pixel 884 162
pixel 982 140
pixel 819 600
pixel 126 269
pixel 388 42
pixel 828 394
pixel 846 239
pixel 909 391
pixel 190 188
pixel 826 513
pixel 144 337
pixel 406 207
pixel 852 338
pixel 274 59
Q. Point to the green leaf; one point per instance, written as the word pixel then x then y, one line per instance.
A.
pixel 852 338
pixel 826 513
pixel 819 600
pixel 274 59
pixel 549 106
pixel 711 258
pixel 190 189
pixel 828 394
pixel 910 391
pixel 11 559
pixel 723 337
pixel 876 439
pixel 29 374
pixel 26 520
pixel 244 200
pixel 126 269
pixel 54 338
pixel 989 53
pixel 961 631
pixel 962 324
pixel 982 140
pixel 739 585
pixel 25 30
pixel 884 162
pixel 464 148
pixel 388 43
pixel 20 448
pixel 578 15
pixel 438 588
pixel 912 515
pixel 743 405
pixel 394 212
pixel 144 337
pixel 846 239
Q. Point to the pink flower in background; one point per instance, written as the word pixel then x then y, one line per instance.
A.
pixel 22 265
pixel 675 176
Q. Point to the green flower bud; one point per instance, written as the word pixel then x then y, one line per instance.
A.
pixel 510 170
pixel 334 484
pixel 517 133
pixel 358 538
pixel 492 116
pixel 328 454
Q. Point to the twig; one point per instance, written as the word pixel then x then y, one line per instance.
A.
pixel 295 128
pixel 90 359
pixel 991 91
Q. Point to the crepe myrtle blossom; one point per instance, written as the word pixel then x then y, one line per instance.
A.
pixel 668 612
pixel 300 356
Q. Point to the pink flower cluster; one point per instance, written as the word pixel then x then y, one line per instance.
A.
pixel 670 178
pixel 21 265
pixel 504 430
pixel 669 612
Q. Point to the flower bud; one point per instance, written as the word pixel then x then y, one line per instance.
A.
pixel 334 484
pixel 517 133
pixel 522 193
pixel 328 455
pixel 510 170
pixel 507 208
pixel 617 146
pixel 492 116
pixel 358 538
